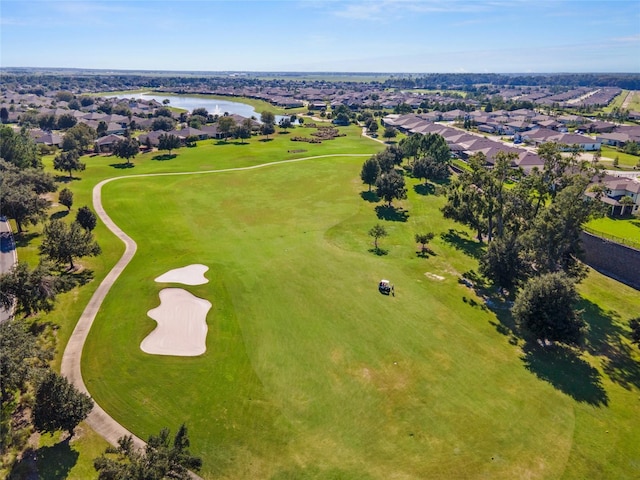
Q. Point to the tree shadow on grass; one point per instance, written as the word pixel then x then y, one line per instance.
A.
pixel 65 178
pixel 122 165
pixel 460 240
pixel 505 324
pixel 563 368
pixel 379 251
pixel 55 462
pixel 392 214
pixel 72 279
pixel 266 140
pixel 424 189
pixel 426 252
pixel 607 339
pixel 370 196
pixel 59 215
pixel 46 463
pixel 24 239
pixel 164 156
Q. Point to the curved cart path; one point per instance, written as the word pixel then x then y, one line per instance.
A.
pixel 98 419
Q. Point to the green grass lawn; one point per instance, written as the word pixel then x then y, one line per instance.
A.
pixel 309 372
pixel 627 229
pixel 624 159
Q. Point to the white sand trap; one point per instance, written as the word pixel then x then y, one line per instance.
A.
pixel 433 276
pixel 182 325
pixel 189 275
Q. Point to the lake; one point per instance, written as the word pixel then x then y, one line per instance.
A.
pixel 214 106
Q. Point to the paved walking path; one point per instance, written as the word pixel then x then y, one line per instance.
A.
pixel 8 258
pixel 98 419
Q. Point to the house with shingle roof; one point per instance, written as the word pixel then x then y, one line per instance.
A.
pixel 105 144
pixel 616 189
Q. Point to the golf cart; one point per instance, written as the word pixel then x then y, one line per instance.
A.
pixel 384 287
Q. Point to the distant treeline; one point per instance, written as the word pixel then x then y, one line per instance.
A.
pixel 30 81
pixel 468 81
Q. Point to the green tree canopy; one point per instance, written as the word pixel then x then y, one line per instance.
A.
pixel 370 171
pixel 65 197
pixel 545 307
pixel 62 243
pixel 86 218
pixel 226 125
pixel 161 459
pixel 68 162
pixel 168 141
pixel 18 148
pixel 391 186
pixel 389 133
pixel 32 290
pixel 80 137
pixel 21 194
pixel 163 123
pixel 20 357
pixel 377 231
pixel 59 405
pixel 503 262
pixel 126 149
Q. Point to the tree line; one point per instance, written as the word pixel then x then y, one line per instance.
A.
pixel 532 224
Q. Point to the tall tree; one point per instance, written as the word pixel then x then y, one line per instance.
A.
pixel 80 137
pixel 390 186
pixel 21 194
pixel 545 307
pixel 553 240
pixel 370 171
pixel 503 262
pixel 429 169
pixel 423 239
pixel 226 125
pixel 163 123
pixel 634 324
pixel 126 149
pixel 20 356
pixel 267 129
pixel 65 197
pixel 377 231
pixel 66 121
pixel 465 205
pixel 32 290
pixel 62 243
pixel 168 141
pixel 59 405
pixel 68 162
pixel 86 218
pixel 389 133
pixel 18 148
pixel 267 117
pixel 285 124
pixel 160 459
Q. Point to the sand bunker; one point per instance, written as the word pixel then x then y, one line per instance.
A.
pixel 182 325
pixel 189 275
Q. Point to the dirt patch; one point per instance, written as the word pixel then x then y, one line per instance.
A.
pixel 433 276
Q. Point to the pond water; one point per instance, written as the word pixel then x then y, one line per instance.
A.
pixel 213 105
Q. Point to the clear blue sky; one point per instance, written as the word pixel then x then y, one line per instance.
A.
pixel 324 35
